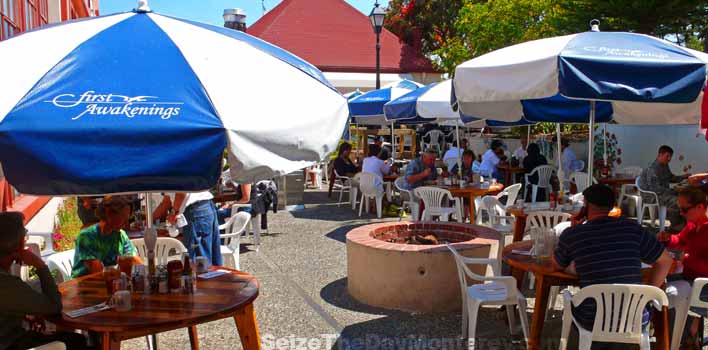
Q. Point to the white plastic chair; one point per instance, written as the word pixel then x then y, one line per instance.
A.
pixel 408 200
pixel 497 218
pixel 580 180
pixel 55 345
pixel 511 193
pixel 618 318
pixel 494 290
pixel 317 171
pixel 233 228
pixel 434 136
pixel 630 191
pixel 344 184
pixel 434 200
pixel 650 205
pixel 683 309
pixel 62 262
pixel 164 249
pixel 371 187
pixel 546 220
pixel 255 224
pixel 544 173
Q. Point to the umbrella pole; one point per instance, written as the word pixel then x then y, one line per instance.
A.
pixel 459 157
pixel 561 175
pixel 591 143
pixel 528 137
pixel 604 143
pixel 150 235
pixel 393 143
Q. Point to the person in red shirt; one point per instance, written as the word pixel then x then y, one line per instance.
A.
pixel 693 241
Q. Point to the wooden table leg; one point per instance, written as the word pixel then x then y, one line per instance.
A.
pixel 519 275
pixel 539 312
pixel 472 209
pixel 519 228
pixel 107 343
pixel 193 337
pixel 661 328
pixel 248 328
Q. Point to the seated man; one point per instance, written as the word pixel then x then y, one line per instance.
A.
pixel 373 164
pixel 606 250
pixel 18 300
pixel 520 152
pixel 491 159
pixel 658 178
pixel 421 169
pixel 467 160
pixel 101 244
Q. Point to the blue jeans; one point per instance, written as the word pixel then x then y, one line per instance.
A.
pixel 202 231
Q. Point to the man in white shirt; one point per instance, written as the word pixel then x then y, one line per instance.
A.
pixel 568 159
pixel 491 159
pixel 520 153
pixel 372 163
pixel 202 230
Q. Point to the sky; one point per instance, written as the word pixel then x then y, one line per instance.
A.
pixel 210 11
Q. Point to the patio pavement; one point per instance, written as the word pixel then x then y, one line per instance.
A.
pixel 301 266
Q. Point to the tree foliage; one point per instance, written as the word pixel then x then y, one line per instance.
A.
pixel 423 24
pixel 452 31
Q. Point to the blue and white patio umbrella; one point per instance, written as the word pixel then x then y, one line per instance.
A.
pixel 646 80
pixel 368 108
pixel 142 102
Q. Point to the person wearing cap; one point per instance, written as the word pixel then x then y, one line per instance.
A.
pixel 101 244
pixel 602 249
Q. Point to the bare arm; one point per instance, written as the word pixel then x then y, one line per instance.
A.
pixel 660 269
pixel 162 208
pixel 245 193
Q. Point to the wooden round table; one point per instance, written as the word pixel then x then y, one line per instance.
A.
pixel 546 277
pixel 472 191
pixel 617 181
pixel 228 295
pixel 510 173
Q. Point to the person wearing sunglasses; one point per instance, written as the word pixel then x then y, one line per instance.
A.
pixel 693 240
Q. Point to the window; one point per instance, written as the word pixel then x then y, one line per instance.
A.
pixel 19 15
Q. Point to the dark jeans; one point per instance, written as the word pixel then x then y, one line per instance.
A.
pixel 33 339
pixel 202 231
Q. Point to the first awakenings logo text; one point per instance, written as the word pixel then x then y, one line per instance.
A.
pixel 115 104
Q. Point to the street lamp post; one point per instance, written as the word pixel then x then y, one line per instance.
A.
pixel 377 18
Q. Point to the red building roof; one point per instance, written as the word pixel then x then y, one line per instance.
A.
pixel 336 37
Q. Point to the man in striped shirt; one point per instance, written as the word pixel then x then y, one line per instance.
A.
pixel 603 250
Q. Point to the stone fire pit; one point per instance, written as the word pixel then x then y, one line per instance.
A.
pixel 417 277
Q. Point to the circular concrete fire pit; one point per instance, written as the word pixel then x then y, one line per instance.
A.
pixel 399 265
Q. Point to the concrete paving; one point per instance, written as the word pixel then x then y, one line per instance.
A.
pixel 304 304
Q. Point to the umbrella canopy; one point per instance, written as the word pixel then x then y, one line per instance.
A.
pixel 625 69
pixel 368 108
pixel 431 102
pixel 138 101
pixel 351 95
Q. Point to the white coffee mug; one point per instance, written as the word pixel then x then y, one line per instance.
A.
pixel 121 301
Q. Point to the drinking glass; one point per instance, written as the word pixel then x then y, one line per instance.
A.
pixel 110 273
pixel 544 243
pixel 121 301
pixel 125 263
